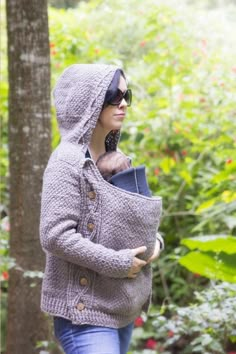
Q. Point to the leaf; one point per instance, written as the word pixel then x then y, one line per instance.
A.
pixel 206 339
pixel 207 204
pixel 222 267
pixel 230 221
pixel 215 243
pixel 167 164
pixel 187 177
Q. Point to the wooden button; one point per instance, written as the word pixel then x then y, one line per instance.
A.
pixel 91 195
pixel 80 306
pixel 90 226
pixel 83 281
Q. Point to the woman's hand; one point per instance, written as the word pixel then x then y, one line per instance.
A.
pixel 137 263
pixel 156 253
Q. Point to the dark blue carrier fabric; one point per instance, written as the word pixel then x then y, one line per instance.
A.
pixel 132 180
pixel 87 155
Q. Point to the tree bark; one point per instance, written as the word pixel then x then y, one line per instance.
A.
pixel 29 132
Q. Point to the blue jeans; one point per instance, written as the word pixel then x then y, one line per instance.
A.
pixel 88 339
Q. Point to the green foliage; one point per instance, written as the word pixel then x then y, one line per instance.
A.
pixel 207 326
pixel 181 125
pixel 215 258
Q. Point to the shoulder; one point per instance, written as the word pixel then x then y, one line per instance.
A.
pixel 67 153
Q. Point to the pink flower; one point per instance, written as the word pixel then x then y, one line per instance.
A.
pixel 53 52
pixel 6 226
pixel 151 344
pixel 138 322
pixel 181 97
pixel 143 43
pixel 234 69
pixel 204 42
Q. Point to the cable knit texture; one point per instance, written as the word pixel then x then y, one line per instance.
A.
pixel 88 226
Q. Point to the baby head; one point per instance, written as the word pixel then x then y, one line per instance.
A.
pixel 112 162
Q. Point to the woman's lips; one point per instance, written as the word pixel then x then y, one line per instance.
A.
pixel 120 115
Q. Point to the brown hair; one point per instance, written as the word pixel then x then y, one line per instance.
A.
pixel 112 162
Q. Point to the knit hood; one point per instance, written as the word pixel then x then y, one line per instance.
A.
pixel 79 96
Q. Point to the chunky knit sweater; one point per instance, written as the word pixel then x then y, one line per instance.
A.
pixel 88 226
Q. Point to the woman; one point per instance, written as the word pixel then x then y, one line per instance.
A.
pixel 99 240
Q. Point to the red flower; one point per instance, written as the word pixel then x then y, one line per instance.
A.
pixel 142 44
pixel 138 322
pixel 5 275
pixel 52 45
pixel 231 352
pixel 151 344
pixel 156 171
pixel 170 334
pixel 53 52
pixel 196 275
pixel 97 50
pixel 229 161
pixel 184 152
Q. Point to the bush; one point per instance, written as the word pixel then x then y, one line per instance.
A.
pixel 207 326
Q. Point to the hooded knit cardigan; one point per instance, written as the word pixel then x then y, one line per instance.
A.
pixel 88 226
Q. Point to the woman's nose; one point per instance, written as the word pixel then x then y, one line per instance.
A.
pixel 123 103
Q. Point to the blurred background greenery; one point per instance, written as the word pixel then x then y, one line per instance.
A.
pixel 179 57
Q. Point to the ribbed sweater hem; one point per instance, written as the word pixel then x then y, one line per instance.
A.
pixel 56 307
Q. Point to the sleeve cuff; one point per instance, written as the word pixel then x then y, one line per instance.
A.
pixel 161 240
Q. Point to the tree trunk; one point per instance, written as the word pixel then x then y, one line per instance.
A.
pixel 29 132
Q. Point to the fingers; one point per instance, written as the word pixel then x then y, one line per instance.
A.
pixel 139 250
pixel 136 267
pixel 150 259
pixel 133 276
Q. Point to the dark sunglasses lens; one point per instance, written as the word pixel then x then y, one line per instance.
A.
pixel 118 98
pixel 128 97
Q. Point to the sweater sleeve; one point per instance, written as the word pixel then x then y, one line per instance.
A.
pixel 60 205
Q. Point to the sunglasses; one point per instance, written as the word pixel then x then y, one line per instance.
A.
pixel 127 95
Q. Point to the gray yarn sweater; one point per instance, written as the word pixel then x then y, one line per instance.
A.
pixel 88 226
